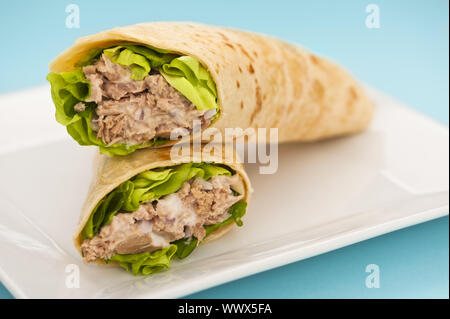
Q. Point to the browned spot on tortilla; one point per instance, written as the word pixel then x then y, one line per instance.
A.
pixel 229 45
pixel 242 104
pixel 314 59
pixel 275 122
pixel 258 106
pixel 238 85
pixel 245 52
pixel 240 70
pixel 223 36
pixel 251 69
pixel 318 90
pixel 255 53
pixel 353 96
pixel 353 93
pixel 264 96
pixel 290 107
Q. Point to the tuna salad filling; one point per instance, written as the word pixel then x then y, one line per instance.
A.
pixel 131 96
pixel 183 215
pixel 133 112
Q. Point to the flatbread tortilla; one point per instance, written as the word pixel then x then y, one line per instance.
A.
pixel 110 172
pixel 261 82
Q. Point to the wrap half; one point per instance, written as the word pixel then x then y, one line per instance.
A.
pixel 145 209
pixel 137 86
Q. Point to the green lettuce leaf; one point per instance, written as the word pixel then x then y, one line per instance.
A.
pixel 90 58
pixel 156 57
pixel 145 187
pixel 146 263
pixel 184 73
pixel 68 89
pixel 187 76
pixel 139 65
pixel 185 246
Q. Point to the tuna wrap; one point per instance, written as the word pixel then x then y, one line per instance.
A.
pixel 145 209
pixel 132 87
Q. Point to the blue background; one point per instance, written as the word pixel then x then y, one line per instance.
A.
pixel 407 57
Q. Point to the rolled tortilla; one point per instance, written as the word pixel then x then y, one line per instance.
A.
pixel 261 82
pixel 110 172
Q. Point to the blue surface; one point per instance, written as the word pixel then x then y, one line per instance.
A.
pixel 407 57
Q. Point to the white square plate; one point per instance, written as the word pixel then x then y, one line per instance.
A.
pixel 323 196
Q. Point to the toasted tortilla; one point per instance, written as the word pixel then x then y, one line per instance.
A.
pixel 261 82
pixel 110 172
